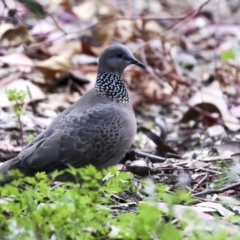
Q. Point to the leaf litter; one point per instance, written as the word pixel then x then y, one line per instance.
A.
pixel 186 102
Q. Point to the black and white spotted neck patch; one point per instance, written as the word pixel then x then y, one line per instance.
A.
pixel 112 86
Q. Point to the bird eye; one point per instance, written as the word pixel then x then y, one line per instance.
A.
pixel 119 54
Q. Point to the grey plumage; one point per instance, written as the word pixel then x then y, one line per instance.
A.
pixel 98 129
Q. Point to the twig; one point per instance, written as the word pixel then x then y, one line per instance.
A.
pixel 150 69
pixel 122 205
pixel 190 15
pixel 214 159
pixel 4 3
pixel 152 157
pixel 133 18
pixel 220 190
pixel 173 155
pixel 200 182
pixel 20 124
pixel 214 201
pixel 209 170
pixel 182 19
pixel 57 25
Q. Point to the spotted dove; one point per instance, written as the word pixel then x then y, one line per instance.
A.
pixel 98 129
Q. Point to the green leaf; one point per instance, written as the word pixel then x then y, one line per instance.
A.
pixel 35 7
pixel 169 232
pixel 15 95
pixel 227 55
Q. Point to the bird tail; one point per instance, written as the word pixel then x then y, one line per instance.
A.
pixel 4 168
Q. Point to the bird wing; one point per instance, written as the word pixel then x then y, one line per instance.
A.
pixel 91 138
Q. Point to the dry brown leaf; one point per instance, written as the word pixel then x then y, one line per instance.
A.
pixel 55 63
pixel 12 35
pixel 86 10
pixel 21 61
pixel 72 47
pixel 4 27
pixel 152 28
pixel 124 29
pixel 102 33
pixel 211 99
pixel 63 3
pixel 60 63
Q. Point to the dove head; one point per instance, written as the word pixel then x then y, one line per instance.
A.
pixel 116 58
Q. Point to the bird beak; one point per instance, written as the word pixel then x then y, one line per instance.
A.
pixel 136 62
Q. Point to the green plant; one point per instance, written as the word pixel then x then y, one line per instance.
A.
pixel 36 209
pixel 17 97
pixel 231 53
pixel 30 137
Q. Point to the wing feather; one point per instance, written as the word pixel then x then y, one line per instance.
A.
pixel 91 138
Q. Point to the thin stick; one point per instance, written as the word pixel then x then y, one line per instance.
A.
pixel 220 190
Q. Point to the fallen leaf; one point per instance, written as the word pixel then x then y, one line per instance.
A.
pixel 86 10
pixel 4 28
pixel 231 202
pixel 152 28
pixel 211 100
pixel 8 147
pixel 162 148
pixel 139 167
pixel 13 36
pixel 10 78
pixel 235 111
pixel 73 47
pixel 217 207
pixel 216 130
pixel 56 64
pixel 21 61
pixel 43 26
pixel 63 3
pixel 208 223
pixel 228 147
pixel 101 33
pixel 124 29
